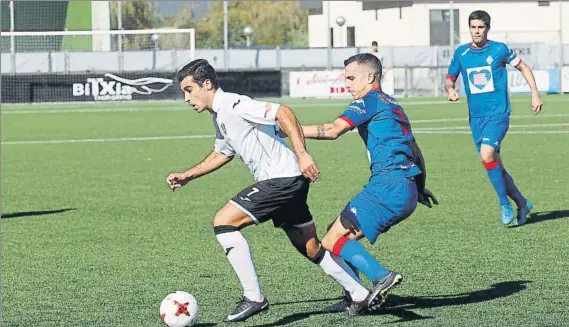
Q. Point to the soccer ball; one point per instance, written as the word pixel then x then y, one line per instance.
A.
pixel 179 309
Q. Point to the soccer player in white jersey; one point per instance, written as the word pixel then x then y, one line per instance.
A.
pixel 249 128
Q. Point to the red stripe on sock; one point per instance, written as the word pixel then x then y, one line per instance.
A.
pixel 339 245
pixel 491 165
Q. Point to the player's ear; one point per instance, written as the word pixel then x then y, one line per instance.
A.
pixel 207 85
pixel 370 78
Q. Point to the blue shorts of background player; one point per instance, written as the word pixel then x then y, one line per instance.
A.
pixel 490 130
pixel 382 203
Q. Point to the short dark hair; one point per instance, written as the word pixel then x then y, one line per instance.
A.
pixel 480 15
pixel 374 43
pixel 366 59
pixel 200 70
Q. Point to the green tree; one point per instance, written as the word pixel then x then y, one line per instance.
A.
pixel 136 15
pixel 183 19
pixel 273 23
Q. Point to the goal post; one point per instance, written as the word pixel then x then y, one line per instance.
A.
pixel 118 41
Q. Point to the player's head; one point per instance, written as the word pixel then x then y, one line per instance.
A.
pixel 479 25
pixel 374 46
pixel 198 81
pixel 362 73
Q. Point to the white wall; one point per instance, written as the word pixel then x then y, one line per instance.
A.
pixel 529 23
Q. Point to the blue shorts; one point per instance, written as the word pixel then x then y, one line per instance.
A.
pixel 382 203
pixel 490 130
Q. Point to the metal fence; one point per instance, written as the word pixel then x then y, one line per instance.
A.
pixel 418 70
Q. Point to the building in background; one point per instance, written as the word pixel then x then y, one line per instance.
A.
pixel 418 23
pixel 414 42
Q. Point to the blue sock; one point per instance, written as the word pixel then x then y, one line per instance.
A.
pixel 497 179
pixel 354 253
pixel 513 191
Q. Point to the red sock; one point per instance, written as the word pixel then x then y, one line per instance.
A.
pixel 337 249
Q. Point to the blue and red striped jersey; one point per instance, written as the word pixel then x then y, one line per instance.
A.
pixel 386 132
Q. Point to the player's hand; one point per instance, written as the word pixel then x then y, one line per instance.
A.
pixel 176 180
pixel 425 198
pixel 308 167
pixel 536 103
pixel 453 95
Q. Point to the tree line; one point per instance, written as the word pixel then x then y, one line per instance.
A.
pixel 281 23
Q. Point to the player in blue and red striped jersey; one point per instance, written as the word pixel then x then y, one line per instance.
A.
pixel 482 65
pixel 396 183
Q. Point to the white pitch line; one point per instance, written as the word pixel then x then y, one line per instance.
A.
pixel 103 110
pixel 114 110
pixel 468 127
pixel 154 138
pixel 510 132
pixel 444 120
pixel 120 139
pixel 173 106
pixel 159 107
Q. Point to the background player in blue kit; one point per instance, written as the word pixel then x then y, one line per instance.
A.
pixel 391 194
pixel 482 64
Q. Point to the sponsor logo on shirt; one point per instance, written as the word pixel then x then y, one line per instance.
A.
pixel 480 79
pixel 356 109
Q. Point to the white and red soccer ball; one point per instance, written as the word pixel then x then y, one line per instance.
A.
pixel 179 309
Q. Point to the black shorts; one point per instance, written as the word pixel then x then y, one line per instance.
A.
pixel 282 199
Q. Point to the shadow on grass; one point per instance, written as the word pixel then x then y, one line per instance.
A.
pixel 538 217
pixel 401 306
pixel 34 213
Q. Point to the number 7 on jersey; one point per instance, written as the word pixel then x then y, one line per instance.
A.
pixel 254 190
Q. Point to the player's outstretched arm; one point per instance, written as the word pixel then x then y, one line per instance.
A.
pixel 289 124
pixel 536 102
pixel 328 131
pixel 212 162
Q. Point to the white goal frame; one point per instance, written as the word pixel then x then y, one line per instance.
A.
pixel 151 32
pixel 157 31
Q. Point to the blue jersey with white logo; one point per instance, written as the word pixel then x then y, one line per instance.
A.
pixel 485 76
pixel 386 132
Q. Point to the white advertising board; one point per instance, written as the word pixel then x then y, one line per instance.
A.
pixel 329 84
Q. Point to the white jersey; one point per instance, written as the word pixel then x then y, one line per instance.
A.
pixel 248 128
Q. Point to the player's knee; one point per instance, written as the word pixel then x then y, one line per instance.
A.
pixel 229 215
pixel 487 154
pixel 220 219
pixel 328 241
pixel 223 219
pixel 487 158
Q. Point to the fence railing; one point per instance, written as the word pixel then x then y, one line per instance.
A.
pixel 176 55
